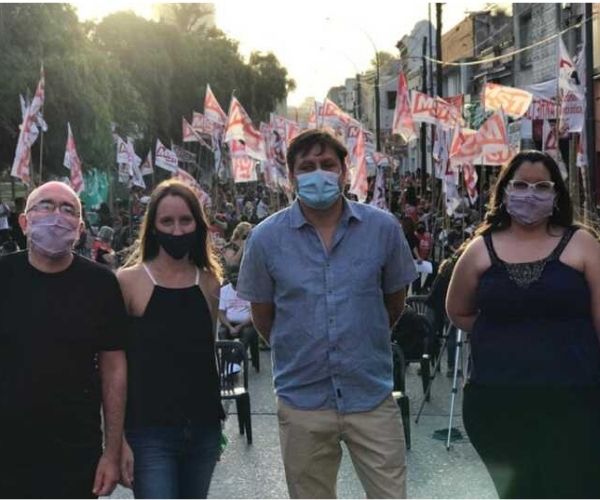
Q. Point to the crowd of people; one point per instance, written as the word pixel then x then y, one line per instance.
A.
pixel 102 316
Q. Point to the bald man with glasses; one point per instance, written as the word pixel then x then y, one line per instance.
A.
pixel 62 325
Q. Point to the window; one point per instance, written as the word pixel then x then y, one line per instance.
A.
pixel 391 100
pixel 525 26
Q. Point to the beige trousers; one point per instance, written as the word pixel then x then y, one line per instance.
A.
pixel 311 450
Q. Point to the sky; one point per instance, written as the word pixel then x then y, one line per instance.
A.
pixel 321 43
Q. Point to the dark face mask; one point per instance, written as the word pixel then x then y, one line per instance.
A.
pixel 176 246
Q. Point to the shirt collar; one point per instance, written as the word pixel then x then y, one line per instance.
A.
pixel 297 219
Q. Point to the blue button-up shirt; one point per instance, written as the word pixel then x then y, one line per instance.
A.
pixel 330 339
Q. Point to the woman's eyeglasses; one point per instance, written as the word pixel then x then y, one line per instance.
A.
pixel 541 187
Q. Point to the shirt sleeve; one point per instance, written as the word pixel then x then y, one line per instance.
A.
pixel 223 299
pixel 114 317
pixel 399 269
pixel 255 283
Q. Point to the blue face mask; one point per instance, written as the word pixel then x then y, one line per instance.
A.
pixel 319 189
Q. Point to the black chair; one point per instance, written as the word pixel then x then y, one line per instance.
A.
pixel 399 393
pixel 253 346
pixel 415 336
pixel 419 303
pixel 229 354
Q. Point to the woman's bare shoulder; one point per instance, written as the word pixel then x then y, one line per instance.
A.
pixel 130 275
pixel 210 278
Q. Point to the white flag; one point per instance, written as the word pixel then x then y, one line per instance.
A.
pixel 571 93
pixel 379 200
pixel 146 167
pixel 165 158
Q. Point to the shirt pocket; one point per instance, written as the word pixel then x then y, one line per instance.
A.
pixel 366 276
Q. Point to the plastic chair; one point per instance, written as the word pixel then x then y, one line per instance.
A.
pixel 399 392
pixel 232 363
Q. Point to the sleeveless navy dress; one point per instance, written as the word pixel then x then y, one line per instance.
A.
pixel 532 403
pixel 534 334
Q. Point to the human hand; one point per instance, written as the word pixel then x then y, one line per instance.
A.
pixel 126 465
pixel 107 476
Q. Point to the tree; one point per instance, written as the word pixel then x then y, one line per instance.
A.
pixel 186 17
pixel 385 59
pixel 126 72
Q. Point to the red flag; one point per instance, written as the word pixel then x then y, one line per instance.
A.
pixel 464 147
pixel 470 176
pixel 20 167
pixel 202 125
pixel 403 120
pixel 333 118
pixel 73 163
pixel 40 95
pixel 434 110
pixel 212 108
pixel 239 127
pixel 189 134
pixel 360 184
pixel 28 133
pixel 550 146
pixel 187 179
pixel 488 146
pixel 457 101
pixel 492 135
pixel 292 129
pixel 514 102
pixel 243 166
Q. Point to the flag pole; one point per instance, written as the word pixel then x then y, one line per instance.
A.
pixel 40 126
pixel 41 152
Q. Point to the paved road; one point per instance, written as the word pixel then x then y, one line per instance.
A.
pixel 256 471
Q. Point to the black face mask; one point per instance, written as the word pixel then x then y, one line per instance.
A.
pixel 176 246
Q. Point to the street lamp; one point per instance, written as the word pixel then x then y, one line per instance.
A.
pixel 376 83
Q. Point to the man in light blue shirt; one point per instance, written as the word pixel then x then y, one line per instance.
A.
pixel 326 278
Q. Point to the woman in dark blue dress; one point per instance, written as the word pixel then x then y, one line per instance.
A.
pixel 527 289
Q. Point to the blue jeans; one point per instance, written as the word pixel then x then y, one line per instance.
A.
pixel 174 462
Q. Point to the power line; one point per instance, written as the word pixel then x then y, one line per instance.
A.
pixel 514 52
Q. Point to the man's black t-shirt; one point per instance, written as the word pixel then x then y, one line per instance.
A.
pixel 52 327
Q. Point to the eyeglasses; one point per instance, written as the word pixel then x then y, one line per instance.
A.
pixel 541 187
pixel 49 206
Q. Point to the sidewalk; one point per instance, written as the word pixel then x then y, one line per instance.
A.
pixel 256 471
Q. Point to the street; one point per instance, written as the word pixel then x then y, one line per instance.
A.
pixel 256 471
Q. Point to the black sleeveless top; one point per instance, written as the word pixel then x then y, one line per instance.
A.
pixel 172 373
pixel 535 325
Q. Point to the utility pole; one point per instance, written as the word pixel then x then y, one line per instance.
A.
pixel 423 130
pixel 430 48
pixel 590 126
pixel 438 47
pixel 438 85
pixel 377 103
pixel 358 98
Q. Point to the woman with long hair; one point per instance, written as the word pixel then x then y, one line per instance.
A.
pixel 171 289
pixel 527 288
pixel 234 250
